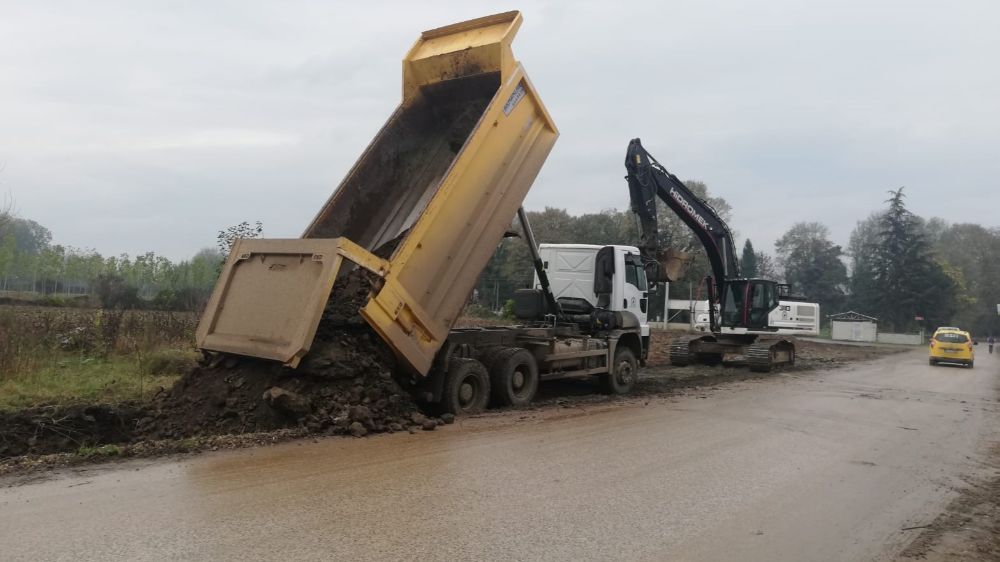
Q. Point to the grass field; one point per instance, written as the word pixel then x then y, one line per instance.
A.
pixel 56 355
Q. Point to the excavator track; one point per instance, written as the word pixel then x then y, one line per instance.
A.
pixel 680 351
pixel 765 355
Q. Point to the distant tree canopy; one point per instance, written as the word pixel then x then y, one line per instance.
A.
pixel 510 268
pixel 896 266
pixel 901 266
pixel 812 264
pixel 29 262
pixel 904 267
pixel 970 254
pixel 766 266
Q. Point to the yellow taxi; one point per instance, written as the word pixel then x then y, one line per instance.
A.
pixel 951 345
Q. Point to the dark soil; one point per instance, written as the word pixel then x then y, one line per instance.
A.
pixel 346 379
pixel 50 429
pixel 344 386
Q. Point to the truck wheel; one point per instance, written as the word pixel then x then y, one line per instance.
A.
pixel 513 377
pixel 624 370
pixel 466 388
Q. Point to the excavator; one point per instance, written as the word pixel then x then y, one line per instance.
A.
pixel 749 319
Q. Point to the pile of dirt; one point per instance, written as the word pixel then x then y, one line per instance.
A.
pixel 53 429
pixel 345 386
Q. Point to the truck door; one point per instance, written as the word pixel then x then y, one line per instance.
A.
pixel 635 297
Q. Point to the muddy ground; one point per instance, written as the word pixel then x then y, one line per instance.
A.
pixel 344 388
pixel 969 528
pixel 842 463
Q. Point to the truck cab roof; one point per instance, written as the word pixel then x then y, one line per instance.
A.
pixel 589 247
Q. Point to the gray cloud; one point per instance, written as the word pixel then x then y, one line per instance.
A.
pixel 128 128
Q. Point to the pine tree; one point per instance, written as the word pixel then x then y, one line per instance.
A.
pixel 908 280
pixel 748 263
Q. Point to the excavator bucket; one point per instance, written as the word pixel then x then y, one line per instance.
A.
pixel 432 195
pixel 671 265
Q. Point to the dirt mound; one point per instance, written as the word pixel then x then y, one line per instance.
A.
pixel 344 386
pixel 53 429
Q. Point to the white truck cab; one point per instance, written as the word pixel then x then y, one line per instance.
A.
pixel 572 272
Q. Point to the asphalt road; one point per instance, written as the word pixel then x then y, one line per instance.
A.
pixel 817 465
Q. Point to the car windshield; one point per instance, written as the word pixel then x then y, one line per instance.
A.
pixel 949 337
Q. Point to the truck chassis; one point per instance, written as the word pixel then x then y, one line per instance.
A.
pixel 504 365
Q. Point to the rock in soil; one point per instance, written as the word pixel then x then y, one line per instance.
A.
pixel 283 401
pixel 358 430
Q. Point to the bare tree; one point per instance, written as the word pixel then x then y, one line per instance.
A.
pixel 229 236
pixel 7 215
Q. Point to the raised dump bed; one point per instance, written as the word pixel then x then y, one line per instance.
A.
pixel 434 193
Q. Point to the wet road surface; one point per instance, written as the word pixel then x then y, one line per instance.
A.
pixel 817 465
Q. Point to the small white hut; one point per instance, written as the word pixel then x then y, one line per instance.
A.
pixel 853 326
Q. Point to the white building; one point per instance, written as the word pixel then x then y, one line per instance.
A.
pixel 854 326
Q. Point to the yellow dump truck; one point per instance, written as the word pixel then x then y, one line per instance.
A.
pixel 439 185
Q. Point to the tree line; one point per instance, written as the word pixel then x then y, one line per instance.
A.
pixel 907 271
pixel 31 263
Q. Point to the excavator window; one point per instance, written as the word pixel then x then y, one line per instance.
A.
pixel 732 304
pixel 763 299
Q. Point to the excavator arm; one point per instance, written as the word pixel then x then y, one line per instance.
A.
pixel 649 180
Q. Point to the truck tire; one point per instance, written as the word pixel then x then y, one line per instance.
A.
pixel 466 387
pixel 624 370
pixel 513 377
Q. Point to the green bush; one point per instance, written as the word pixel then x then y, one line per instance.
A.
pixel 52 300
pixel 508 309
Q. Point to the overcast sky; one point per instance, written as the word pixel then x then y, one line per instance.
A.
pixel 128 128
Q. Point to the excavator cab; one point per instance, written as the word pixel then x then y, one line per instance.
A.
pixel 747 303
